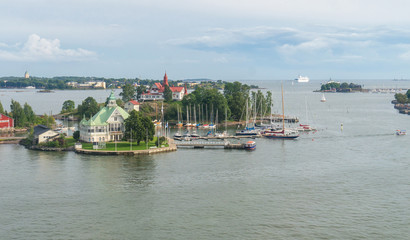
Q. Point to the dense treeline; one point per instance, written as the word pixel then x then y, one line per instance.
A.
pixel 61 82
pixel 210 105
pixel 340 87
pixel 24 116
pixel 403 98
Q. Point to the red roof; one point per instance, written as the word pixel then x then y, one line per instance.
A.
pixel 134 102
pixel 160 87
pixel 176 89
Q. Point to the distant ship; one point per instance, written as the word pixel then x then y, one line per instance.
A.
pixel 302 79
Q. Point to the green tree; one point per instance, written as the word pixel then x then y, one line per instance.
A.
pixel 46 120
pixel 236 95
pixel 30 115
pixel 138 126
pixel 17 113
pixel 171 111
pixel 1 108
pixel 401 98
pixel 89 107
pixel 140 90
pixel 344 85
pixel 76 135
pixel 149 128
pixel 167 93
pixel 211 98
pixel 269 102
pixel 68 106
pixel 408 94
pixel 128 92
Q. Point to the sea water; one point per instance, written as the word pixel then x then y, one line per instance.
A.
pixel 350 183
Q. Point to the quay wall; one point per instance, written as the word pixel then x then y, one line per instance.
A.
pixel 172 147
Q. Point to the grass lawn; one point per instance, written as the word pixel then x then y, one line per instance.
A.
pixel 123 146
pixel 70 141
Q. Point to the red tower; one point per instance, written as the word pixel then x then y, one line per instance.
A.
pixel 165 79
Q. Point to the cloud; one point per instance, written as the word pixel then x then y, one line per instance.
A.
pixel 42 49
pixel 309 45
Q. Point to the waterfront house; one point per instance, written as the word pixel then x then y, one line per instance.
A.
pixel 132 105
pixel 156 92
pixel 44 134
pixel 6 123
pixel 107 125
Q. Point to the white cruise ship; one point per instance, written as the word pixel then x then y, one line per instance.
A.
pixel 303 79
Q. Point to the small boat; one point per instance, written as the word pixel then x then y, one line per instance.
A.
pixel 250 145
pixel 247 132
pixel 305 128
pixel 195 135
pixel 323 99
pixel 186 136
pixel 177 136
pixel 401 132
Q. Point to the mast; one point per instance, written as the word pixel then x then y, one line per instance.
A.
pixel 194 115
pixel 178 112
pixel 226 119
pixel 246 114
pixel 187 116
pixel 283 112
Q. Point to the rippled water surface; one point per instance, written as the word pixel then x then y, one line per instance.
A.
pixel 333 184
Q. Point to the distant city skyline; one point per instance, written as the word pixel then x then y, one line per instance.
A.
pixel 227 40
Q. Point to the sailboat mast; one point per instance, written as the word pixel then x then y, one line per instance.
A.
pixel 283 112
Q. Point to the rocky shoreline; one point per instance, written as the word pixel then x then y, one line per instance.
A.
pixel 403 108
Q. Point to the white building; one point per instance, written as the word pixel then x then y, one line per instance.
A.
pixel 132 105
pixel 107 125
pixel 44 134
pixel 157 91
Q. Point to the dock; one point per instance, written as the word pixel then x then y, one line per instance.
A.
pixel 203 144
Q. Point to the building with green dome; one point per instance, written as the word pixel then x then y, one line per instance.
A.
pixel 105 126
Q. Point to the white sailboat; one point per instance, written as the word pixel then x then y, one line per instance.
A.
pixel 284 133
pixel 323 99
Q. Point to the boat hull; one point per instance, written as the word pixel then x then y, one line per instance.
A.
pixel 280 136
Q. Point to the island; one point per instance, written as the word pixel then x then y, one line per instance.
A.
pixel 332 86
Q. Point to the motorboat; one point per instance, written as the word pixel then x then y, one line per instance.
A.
pixel 401 132
pixel 250 145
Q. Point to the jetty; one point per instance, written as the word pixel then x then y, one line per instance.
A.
pixel 10 140
pixel 171 147
pixel 203 144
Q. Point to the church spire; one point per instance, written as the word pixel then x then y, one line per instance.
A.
pixel 165 79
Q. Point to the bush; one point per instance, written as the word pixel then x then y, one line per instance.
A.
pixel 161 141
pixel 76 135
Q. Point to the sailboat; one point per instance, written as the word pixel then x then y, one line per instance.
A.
pixel 282 134
pixel 179 124
pixel 323 99
pixel 249 127
pixel 305 127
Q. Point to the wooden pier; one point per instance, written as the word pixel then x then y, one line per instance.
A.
pixel 203 144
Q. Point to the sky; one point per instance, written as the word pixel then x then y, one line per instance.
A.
pixel 215 39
